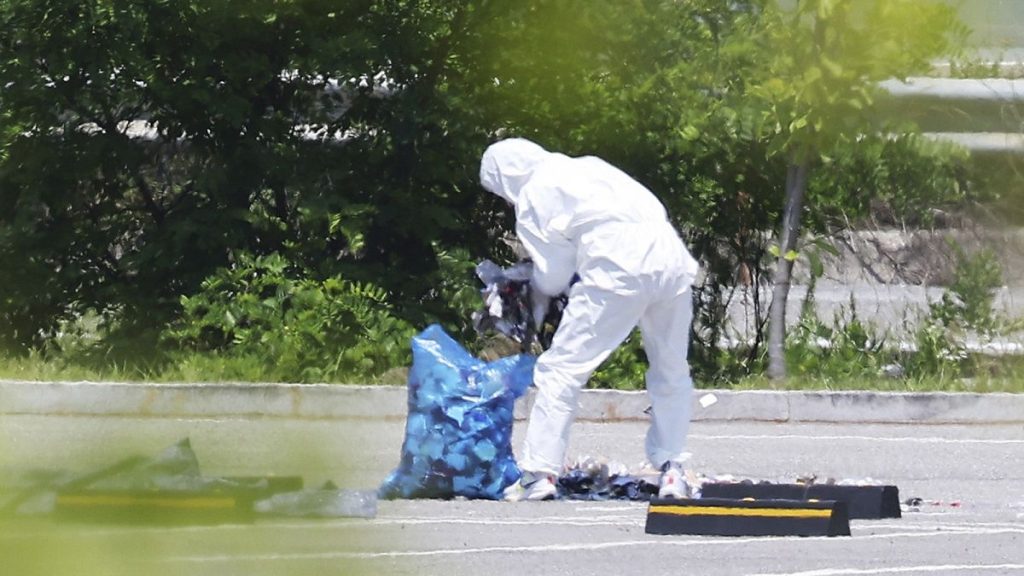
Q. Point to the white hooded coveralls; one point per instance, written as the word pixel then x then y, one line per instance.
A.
pixel 584 216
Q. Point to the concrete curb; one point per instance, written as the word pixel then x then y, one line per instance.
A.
pixel 331 401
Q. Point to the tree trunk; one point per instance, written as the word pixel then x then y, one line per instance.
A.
pixel 796 186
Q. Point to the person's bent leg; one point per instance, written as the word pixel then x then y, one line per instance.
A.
pixel 594 323
pixel 666 331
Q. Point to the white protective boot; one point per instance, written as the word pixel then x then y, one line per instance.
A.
pixel 673 482
pixel 533 486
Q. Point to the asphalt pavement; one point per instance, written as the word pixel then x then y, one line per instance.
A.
pixel 969 475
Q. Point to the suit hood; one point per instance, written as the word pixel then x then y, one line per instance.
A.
pixel 508 164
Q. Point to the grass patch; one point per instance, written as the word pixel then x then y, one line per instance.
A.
pixel 883 384
pixel 989 374
pixel 38 366
pixel 178 367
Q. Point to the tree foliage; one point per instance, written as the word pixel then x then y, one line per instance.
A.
pixel 821 63
pixel 150 147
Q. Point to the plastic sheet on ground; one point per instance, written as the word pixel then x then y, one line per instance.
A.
pixel 458 433
pixel 139 482
pixel 325 502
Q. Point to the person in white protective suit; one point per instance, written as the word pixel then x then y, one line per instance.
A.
pixel 584 216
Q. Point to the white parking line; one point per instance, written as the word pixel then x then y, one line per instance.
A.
pixel 968 568
pixel 884 529
pixel 550 521
pixel 627 504
pixel 941 525
pixel 578 547
pixel 323 524
pixel 901 439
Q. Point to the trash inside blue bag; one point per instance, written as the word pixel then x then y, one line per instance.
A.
pixel 458 433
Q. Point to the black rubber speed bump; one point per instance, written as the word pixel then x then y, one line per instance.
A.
pixel 723 517
pixel 862 502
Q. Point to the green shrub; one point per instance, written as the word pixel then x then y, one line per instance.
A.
pixel 966 307
pixel 295 327
pixel 968 301
pixel 848 348
pixel 625 367
pixel 456 292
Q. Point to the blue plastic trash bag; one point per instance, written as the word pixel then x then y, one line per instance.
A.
pixel 458 433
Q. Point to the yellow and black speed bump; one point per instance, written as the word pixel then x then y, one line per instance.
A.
pixel 231 502
pixel 158 506
pixel 723 517
pixel 862 502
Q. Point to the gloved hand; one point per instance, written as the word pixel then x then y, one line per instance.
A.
pixel 521 271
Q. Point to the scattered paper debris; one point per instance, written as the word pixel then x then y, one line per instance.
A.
pixel 708 400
